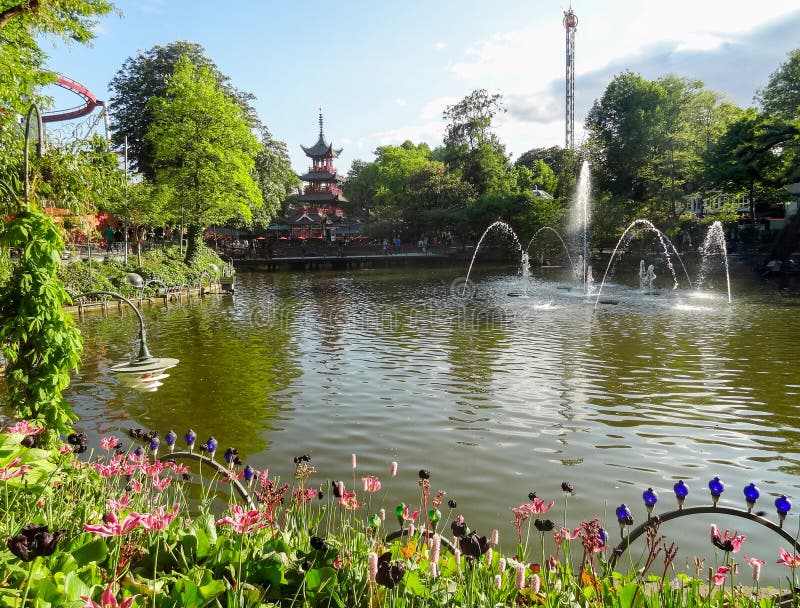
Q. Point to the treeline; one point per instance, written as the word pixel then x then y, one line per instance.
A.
pixel 652 146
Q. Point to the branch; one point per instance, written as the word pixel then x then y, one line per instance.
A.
pixel 15 11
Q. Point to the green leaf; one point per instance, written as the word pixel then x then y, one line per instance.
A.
pixel 93 551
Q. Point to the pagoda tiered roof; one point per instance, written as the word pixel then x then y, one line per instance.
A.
pixel 323 148
pixel 328 176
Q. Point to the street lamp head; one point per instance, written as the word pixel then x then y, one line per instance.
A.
pixel 145 372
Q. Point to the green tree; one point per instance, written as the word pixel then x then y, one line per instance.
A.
pixel 470 146
pixel 781 97
pixel 204 152
pixel 146 76
pixel 360 186
pixel 275 176
pixel 564 162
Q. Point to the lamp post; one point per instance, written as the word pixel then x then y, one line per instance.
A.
pixel 39 130
pixel 145 371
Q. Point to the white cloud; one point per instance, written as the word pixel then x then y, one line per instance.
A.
pixel 439 46
pixel 401 102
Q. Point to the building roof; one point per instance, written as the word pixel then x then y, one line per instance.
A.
pixel 320 176
pixel 322 197
pixel 322 148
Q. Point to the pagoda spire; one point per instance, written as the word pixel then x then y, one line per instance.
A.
pixel 321 136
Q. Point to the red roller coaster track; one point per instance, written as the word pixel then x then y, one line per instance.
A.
pixel 90 102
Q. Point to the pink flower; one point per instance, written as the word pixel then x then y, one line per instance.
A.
pixel 457 555
pixel 382 514
pixel 107 600
pixel 563 534
pixel 242 521
pixel 538 506
pixel 338 563
pixel 24 427
pixel 371 483
pixel 107 470
pixel 393 469
pixel 434 570
pixel 501 565
pixel 436 547
pixel 113 527
pixel 353 460
pixel 64 449
pixel 498 581
pixel 535 583
pixel 719 577
pixel 119 505
pixel 520 576
pixel 495 536
pixel 109 443
pixel 410 516
pixel 349 501
pixel 161 484
pixel 756 564
pixel 372 565
pixel 727 543
pixel 14 469
pixel 158 520
pixel 787 558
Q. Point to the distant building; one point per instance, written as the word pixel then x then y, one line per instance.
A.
pixel 322 217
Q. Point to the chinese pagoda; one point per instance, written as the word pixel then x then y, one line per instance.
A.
pixel 321 194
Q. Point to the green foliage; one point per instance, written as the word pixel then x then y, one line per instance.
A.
pixel 275 177
pixel 77 278
pixel 204 152
pixel 146 76
pixel 38 338
pixel 781 97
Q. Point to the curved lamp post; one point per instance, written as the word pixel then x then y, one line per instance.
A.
pixel 145 372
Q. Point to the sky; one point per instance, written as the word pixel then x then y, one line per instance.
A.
pixel 384 71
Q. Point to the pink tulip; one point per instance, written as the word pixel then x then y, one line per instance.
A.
pixel 719 577
pixel 14 469
pixel 113 527
pixel 495 536
pixel 371 483
pixel 756 564
pixel 159 519
pixel 787 558
pixel 244 521
pixel 108 600
pixel 109 443
pixel 24 427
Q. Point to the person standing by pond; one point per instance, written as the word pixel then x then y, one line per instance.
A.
pixel 108 235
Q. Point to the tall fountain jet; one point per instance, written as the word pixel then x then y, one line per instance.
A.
pixel 579 219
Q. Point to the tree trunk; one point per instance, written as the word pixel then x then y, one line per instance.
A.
pixel 194 241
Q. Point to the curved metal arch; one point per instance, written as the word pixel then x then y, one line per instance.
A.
pixel 625 544
pixel 235 483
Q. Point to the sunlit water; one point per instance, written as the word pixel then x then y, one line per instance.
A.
pixel 496 395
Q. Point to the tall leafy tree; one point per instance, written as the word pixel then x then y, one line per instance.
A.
pixel 146 76
pixel 275 176
pixel 204 152
pixel 470 146
pixel 360 186
pixel 781 97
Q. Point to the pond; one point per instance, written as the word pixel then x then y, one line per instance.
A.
pixel 511 391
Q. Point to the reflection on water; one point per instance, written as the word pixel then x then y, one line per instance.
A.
pixel 498 395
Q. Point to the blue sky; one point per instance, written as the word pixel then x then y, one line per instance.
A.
pixel 383 72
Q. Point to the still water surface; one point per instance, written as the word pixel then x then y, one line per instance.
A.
pixel 515 390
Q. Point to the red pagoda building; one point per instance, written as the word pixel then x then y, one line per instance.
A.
pixel 322 217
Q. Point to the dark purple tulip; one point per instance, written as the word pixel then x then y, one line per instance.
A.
pixel 33 541
pixel 544 525
pixel 452 504
pixel 567 487
pixel 424 474
pixel 318 543
pixel 389 573
pixel 459 527
pixel 473 545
